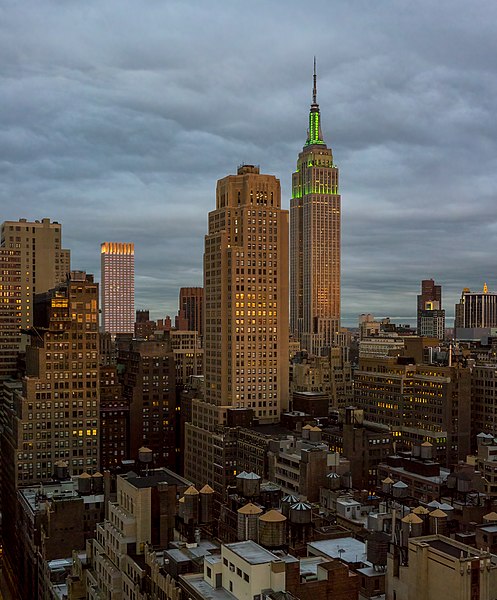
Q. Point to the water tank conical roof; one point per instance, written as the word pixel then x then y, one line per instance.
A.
pixel 490 517
pixel 412 519
pixel 333 480
pixel 273 516
pixel 290 499
pixel 84 483
pixel 438 514
pixel 399 489
pixel 387 481
pixel 145 455
pixel 434 504
pixel 420 510
pixel 249 509
pixel 191 491
pixel 98 483
pixel 307 427
pixel 301 513
pixel 206 489
pixel 252 475
pixel 286 502
pixel 242 475
pixel 301 506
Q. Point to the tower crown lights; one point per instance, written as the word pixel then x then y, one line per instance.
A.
pixel 314 133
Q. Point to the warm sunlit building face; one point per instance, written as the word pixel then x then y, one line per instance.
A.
pixel 118 287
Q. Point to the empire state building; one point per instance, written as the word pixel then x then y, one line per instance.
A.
pixel 315 241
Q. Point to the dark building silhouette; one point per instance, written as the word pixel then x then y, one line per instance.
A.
pixel 429 301
pixel 191 307
pixel 149 386
pixel 114 419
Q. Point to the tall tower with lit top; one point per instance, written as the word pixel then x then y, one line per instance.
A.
pixel 118 287
pixel 315 241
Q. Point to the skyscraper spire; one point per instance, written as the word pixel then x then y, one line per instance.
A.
pixel 314 134
pixel 315 241
pixel 314 89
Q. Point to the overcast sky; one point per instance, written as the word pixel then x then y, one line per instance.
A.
pixel 118 117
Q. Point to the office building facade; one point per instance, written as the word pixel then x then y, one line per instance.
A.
pixel 246 313
pixel 54 415
pixel 118 287
pixel 191 306
pixel 476 310
pixel 10 310
pixel 43 261
pixel 430 315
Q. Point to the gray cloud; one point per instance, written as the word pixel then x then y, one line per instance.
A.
pixel 118 118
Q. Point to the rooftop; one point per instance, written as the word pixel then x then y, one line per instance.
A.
pixel 347 549
pixel 449 547
pixel 35 496
pixel 154 477
pixel 252 552
pixel 204 589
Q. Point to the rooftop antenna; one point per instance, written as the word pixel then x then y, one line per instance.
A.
pixel 314 89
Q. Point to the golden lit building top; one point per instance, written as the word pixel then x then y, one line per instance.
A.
pixel 118 287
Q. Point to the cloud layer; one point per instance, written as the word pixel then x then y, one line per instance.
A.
pixel 118 117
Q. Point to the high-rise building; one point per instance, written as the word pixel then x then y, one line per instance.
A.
pixel 420 403
pixel 246 314
pixel 191 302
pixel 43 261
pixel 54 415
pixel 315 241
pixel 10 310
pixel 476 310
pixel 118 287
pixel 149 388
pixel 430 315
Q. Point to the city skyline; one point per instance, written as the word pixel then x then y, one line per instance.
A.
pixel 107 132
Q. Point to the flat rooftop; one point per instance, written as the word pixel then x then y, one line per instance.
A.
pixel 252 552
pixel 346 549
pixel 444 473
pixel 154 477
pixel 272 430
pixel 450 547
pixel 204 590
pixel 59 491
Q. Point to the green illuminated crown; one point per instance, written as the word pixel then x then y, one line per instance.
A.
pixel 314 134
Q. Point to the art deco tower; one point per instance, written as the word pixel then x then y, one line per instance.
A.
pixel 246 315
pixel 246 306
pixel 315 241
pixel 118 287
